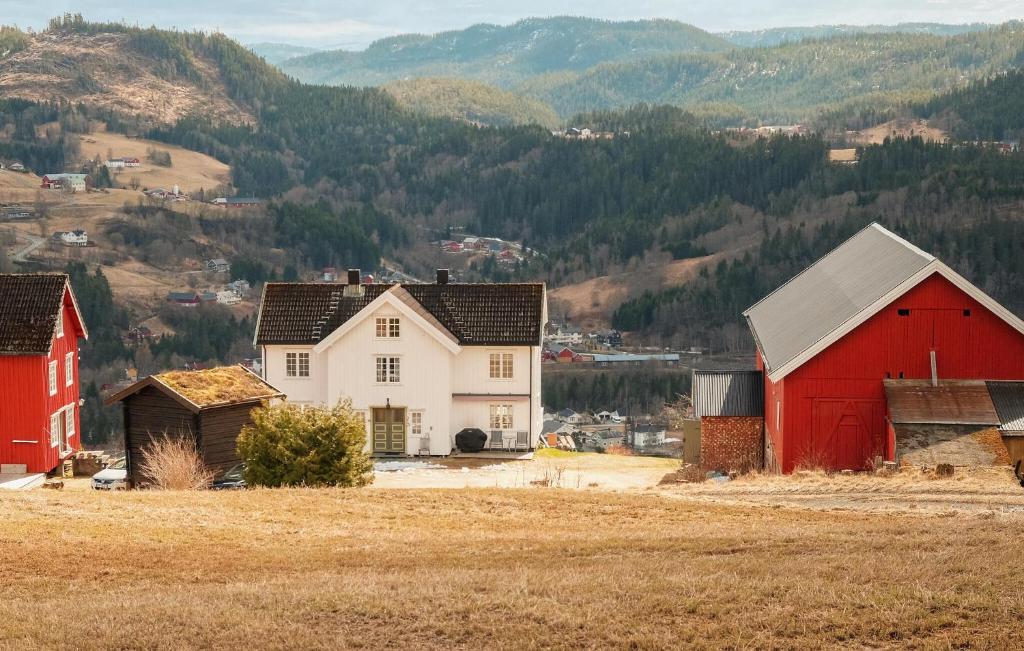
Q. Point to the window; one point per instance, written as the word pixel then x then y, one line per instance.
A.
pixel 54 429
pixel 388 327
pixel 388 370
pixel 501 416
pixel 60 324
pixel 53 378
pixel 501 366
pixel 69 421
pixel 69 369
pixel 416 423
pixel 903 312
pixel 296 364
pixel 967 313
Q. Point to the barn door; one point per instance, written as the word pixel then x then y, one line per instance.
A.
pixel 388 430
pixel 847 434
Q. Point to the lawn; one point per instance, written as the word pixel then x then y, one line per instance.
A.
pixel 498 568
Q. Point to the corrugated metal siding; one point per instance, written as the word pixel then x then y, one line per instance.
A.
pixel 980 346
pixel 962 402
pixel 832 291
pixel 1008 398
pixel 728 393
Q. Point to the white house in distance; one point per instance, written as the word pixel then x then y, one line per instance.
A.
pixel 420 361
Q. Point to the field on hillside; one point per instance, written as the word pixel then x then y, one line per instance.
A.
pixel 189 170
pixel 489 568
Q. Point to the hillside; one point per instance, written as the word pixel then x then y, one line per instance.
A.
pixel 471 100
pixel 503 55
pixel 792 82
pixel 990 109
pixel 782 75
pixel 113 72
pixel 278 53
pixel 780 35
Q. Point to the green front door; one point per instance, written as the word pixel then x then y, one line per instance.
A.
pixel 388 430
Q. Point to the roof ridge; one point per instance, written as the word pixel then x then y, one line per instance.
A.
pixel 872 226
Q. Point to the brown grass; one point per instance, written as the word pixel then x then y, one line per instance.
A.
pixel 172 463
pixel 213 386
pixel 507 569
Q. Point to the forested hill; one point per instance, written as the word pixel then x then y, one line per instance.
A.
pixel 792 82
pixel 779 35
pixel 504 55
pixel 575 65
pixel 987 110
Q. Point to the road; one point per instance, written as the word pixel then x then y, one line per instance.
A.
pixel 34 243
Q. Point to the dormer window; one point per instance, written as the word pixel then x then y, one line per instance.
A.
pixel 388 327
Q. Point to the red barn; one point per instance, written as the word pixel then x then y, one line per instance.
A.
pixel 875 308
pixel 39 329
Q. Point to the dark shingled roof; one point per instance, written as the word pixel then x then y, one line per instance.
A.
pixel 29 305
pixel 477 314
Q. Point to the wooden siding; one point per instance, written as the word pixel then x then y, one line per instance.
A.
pixel 845 380
pixel 219 429
pixel 1015 446
pixel 27 405
pixel 149 414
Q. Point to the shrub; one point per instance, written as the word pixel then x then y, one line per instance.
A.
pixel 290 445
pixel 172 463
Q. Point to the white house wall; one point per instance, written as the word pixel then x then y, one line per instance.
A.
pixel 430 375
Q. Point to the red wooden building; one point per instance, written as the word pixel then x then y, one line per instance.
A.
pixel 39 329
pixel 875 308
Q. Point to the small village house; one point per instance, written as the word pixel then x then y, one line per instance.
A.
pixel 875 333
pixel 186 299
pixel 40 325
pixel 209 407
pixel 72 182
pixel 218 265
pixel 421 362
pixel 72 238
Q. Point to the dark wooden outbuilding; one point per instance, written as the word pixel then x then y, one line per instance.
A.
pixel 210 407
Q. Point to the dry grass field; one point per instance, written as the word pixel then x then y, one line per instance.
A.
pixel 511 569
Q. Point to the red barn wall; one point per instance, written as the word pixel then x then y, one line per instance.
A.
pixel 833 407
pixel 27 404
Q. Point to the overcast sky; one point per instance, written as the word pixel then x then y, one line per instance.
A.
pixel 353 24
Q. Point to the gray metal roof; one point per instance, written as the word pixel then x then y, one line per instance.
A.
pixel 728 393
pixel 1008 398
pixel 833 290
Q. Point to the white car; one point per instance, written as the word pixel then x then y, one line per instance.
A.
pixel 113 477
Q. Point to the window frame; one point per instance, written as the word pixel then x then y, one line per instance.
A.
pixel 388 367
pixel 51 377
pixel 387 327
pixel 293 364
pixel 416 424
pixel 501 416
pixel 69 368
pixel 501 365
pixel 69 421
pixel 60 324
pixel 55 428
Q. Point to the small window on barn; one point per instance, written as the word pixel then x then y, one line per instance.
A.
pixel 69 369
pixel 901 375
pixel 54 429
pixel 967 313
pixel 60 325
pixel 903 311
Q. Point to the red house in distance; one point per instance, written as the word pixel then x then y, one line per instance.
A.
pixel 874 315
pixel 40 324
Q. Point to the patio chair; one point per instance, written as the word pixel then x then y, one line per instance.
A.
pixel 495 440
pixel 522 440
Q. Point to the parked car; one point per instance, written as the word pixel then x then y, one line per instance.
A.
pixel 231 480
pixel 113 477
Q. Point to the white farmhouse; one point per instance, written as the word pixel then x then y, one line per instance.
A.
pixel 421 362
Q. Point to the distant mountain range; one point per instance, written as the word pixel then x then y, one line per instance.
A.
pixel 574 65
